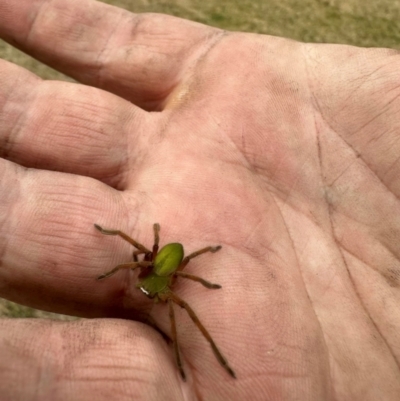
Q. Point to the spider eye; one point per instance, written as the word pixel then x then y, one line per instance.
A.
pixel 168 259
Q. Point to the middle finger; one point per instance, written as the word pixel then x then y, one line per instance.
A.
pixel 67 127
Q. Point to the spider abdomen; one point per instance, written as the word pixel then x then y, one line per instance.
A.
pixel 168 259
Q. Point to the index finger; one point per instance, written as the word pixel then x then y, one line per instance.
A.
pixel 141 57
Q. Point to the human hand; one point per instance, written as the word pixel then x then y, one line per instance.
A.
pixel 284 153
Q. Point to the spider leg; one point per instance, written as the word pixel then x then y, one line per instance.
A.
pixel 135 255
pixel 186 259
pixel 123 236
pixel 130 265
pixel 156 228
pixel 224 363
pixel 174 338
pixel 200 280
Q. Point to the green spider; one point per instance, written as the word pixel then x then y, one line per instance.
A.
pixel 158 273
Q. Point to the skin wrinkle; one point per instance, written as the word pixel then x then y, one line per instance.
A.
pixel 250 251
pixel 12 206
pixel 367 123
pixel 191 378
pixel 330 354
pixel 11 138
pixel 81 127
pixel 84 117
pixel 284 196
pixel 386 247
pixel 264 174
pixel 345 170
pixel 349 99
pixel 358 157
pixel 356 154
pixel 33 19
pixel 394 90
pixel 8 94
pixel 257 170
pixel 374 141
pixel 243 161
pixel 394 162
pixel 375 325
pixel 73 369
pixel 154 97
pixel 17 125
pixel 329 375
pixel 340 246
pixel 289 195
pixel 260 249
pixel 345 101
pixel 98 62
pixel 393 277
pixel 331 230
pixel 377 69
pixel 393 283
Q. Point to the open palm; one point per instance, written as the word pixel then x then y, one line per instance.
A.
pixel 284 153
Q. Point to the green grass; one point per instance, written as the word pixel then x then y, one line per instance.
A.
pixel 355 22
pixel 11 309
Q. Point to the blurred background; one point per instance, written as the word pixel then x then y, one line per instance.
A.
pixel 355 22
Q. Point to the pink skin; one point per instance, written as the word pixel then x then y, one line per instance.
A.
pixel 284 153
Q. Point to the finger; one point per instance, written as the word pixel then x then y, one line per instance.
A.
pixel 50 252
pixel 84 360
pixel 138 57
pixel 66 127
